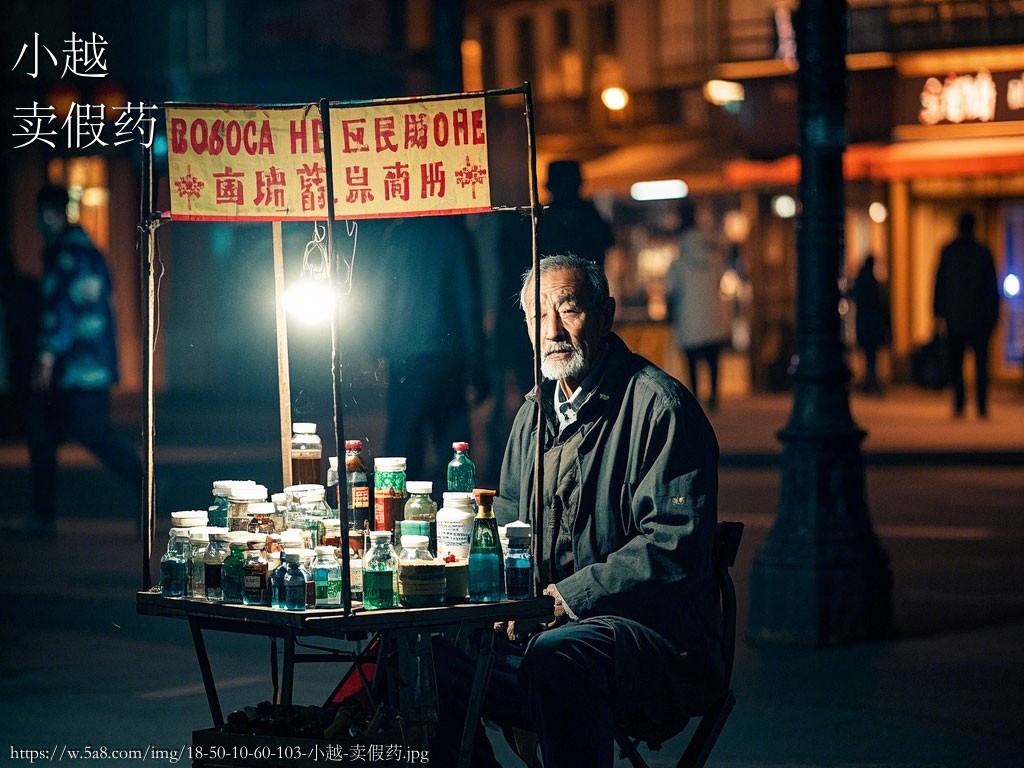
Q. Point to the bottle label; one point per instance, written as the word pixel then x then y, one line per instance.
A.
pixel 359 497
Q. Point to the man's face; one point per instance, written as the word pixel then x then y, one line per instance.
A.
pixel 571 333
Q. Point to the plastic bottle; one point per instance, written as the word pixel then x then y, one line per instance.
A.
pixel 461 469
pixel 306 453
pixel 380 573
pixel 327 578
pixel 454 525
pixel 518 562
pixel 388 492
pixel 294 581
pixel 174 564
pixel 486 571
pixel 420 574
pixel 420 507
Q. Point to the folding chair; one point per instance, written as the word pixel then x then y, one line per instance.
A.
pixel 712 720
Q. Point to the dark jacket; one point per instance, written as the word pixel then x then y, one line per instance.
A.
pixel 966 288
pixel 643 528
pixel 872 318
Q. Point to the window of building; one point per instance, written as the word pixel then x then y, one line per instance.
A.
pixel 525 64
pixel 603 37
pixel 488 66
pixel 563 29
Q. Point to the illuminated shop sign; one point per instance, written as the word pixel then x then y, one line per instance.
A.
pixel 957 98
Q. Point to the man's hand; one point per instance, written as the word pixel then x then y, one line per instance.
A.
pixel 42 374
pixel 521 631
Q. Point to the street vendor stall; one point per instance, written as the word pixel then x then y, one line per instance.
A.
pixel 322 162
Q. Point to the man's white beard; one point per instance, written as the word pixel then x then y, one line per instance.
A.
pixel 572 367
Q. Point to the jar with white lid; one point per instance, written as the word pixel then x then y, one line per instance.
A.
pixel 420 574
pixel 455 525
pixel 239 499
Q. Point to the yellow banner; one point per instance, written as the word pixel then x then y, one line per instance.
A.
pixel 421 157
pixel 259 164
pixel 268 164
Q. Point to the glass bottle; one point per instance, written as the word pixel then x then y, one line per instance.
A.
pixel 218 511
pixel 327 578
pixel 294 581
pixel 240 497
pixel 421 507
pixel 518 562
pixel 420 574
pixel 306 453
pixel 261 517
pixel 255 579
pixel 213 561
pixel 232 572
pixel 380 572
pixel 357 479
pixel 388 493
pixel 486 573
pixel 277 581
pixel 461 469
pixel 454 526
pixel 174 564
pixel 355 574
pixel 280 502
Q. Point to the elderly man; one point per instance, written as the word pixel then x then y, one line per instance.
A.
pixel 630 496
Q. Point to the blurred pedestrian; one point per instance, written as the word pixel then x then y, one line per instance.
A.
pixel 19 317
pixel 432 339
pixel 571 223
pixel 872 321
pixel 700 318
pixel 76 363
pixel 966 309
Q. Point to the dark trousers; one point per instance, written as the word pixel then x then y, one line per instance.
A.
pixel 571 685
pixel 957 344
pixel 709 354
pixel 60 415
pixel 427 412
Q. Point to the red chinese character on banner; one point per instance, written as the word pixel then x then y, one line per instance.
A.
pixel 396 181
pixel 357 177
pixel 353 135
pixel 311 187
pixel 384 128
pixel 432 180
pixel 471 175
pixel 270 188
pixel 229 188
pixel 416 131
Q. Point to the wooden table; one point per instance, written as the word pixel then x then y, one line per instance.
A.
pixel 288 626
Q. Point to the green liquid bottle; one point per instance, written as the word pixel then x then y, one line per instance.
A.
pixel 380 573
pixel 461 469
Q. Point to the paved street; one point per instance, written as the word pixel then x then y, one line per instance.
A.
pixel 79 666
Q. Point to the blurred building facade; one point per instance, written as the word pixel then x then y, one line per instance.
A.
pixel 935 126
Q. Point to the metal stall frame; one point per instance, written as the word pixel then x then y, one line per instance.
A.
pixel 149 221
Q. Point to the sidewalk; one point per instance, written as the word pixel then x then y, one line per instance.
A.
pixel 77 664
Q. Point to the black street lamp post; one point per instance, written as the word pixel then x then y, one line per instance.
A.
pixel 821 577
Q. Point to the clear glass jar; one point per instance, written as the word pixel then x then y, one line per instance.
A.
pixel 213 561
pixel 388 492
pixel 239 499
pixel 306 453
pixel 461 469
pixel 422 507
pixel 455 525
pixel 294 581
pixel 174 572
pixel 327 578
pixel 280 501
pixel 420 574
pixel 518 562
pixel 218 512
pixel 261 517
pixel 380 572
pixel 307 512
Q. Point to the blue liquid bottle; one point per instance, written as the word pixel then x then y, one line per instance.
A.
pixel 486 570
pixel 174 564
pixel 518 562
pixel 294 581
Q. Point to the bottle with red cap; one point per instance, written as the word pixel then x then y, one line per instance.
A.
pixel 461 469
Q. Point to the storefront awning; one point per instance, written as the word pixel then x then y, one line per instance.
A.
pixel 695 162
pixel 1003 155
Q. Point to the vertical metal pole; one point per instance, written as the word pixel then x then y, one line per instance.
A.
pixel 147 243
pixel 339 407
pixel 538 462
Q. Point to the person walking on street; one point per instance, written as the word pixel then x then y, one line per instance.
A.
pixel 966 308
pixel 571 223
pixel 872 321
pixel 76 363
pixel 692 291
